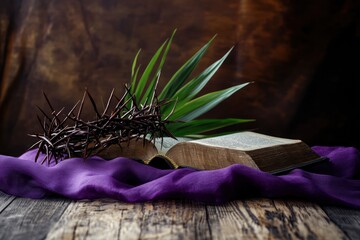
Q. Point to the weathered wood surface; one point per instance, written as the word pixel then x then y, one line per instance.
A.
pixel 347 219
pixel 22 218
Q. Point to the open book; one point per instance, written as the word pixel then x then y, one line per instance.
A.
pixel 264 152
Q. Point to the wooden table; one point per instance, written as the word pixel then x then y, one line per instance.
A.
pixel 58 218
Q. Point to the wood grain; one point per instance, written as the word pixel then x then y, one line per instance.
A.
pixel 57 218
pixel 255 219
pixel 5 200
pixel 108 219
pixel 347 219
pixel 22 218
pixel 268 219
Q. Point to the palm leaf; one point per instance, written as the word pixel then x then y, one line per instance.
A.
pixel 147 72
pixel 133 71
pixel 179 78
pixel 195 127
pixel 153 84
pixel 182 92
pixel 194 86
pixel 200 105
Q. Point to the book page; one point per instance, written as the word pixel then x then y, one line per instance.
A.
pixel 246 141
pixel 168 143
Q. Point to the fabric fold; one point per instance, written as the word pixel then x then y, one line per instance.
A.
pixel 332 183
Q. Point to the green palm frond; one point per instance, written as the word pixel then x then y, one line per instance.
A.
pixel 183 91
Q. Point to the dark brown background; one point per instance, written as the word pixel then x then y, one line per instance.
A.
pixel 303 57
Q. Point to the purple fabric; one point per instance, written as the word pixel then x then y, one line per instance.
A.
pixel 332 183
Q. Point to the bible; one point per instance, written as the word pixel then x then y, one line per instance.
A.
pixel 267 153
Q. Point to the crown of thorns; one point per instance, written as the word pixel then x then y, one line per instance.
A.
pixel 67 135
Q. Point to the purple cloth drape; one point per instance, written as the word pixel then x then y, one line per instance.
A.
pixel 332 183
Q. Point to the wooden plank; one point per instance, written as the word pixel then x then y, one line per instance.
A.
pixel 175 220
pixel 5 200
pixel 268 219
pixel 97 220
pixel 347 219
pixel 255 219
pixel 30 218
pixel 109 219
